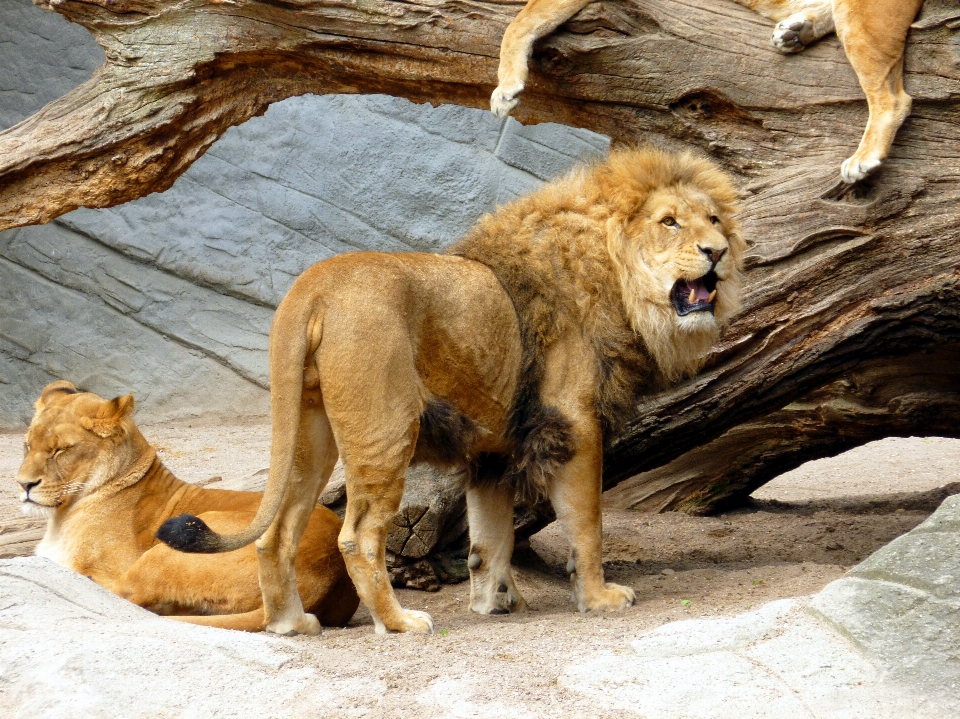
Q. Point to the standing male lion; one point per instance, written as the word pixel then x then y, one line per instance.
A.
pixel 514 354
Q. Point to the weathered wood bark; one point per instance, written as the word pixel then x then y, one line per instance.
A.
pixel 845 284
pixel 913 394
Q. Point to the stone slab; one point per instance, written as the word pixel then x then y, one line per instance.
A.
pixel 69 648
pixel 879 643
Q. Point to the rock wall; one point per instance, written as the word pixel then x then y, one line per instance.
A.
pixel 171 296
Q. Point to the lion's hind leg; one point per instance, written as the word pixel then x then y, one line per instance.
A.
pixel 490 516
pixel 374 494
pixel 373 397
pixel 316 455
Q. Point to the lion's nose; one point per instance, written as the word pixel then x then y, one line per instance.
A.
pixel 713 255
pixel 27 485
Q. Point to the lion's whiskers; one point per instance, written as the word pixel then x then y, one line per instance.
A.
pixel 71 488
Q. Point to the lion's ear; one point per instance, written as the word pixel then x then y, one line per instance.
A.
pixel 54 388
pixel 109 418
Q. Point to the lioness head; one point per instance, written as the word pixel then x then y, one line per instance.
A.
pixel 677 250
pixel 75 442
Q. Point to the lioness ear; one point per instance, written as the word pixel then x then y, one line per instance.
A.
pixel 110 416
pixel 54 388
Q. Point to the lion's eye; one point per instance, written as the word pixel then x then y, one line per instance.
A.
pixel 669 221
pixel 714 219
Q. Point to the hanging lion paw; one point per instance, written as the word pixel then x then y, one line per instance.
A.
pixel 793 34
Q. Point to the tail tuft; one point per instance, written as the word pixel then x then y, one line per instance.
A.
pixel 187 533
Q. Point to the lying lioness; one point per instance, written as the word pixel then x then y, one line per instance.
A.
pixel 92 474
pixel 873 33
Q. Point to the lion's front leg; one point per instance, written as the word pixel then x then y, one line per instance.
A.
pixel 575 495
pixel 490 515
pixel 538 18
pixel 794 33
pixel 875 50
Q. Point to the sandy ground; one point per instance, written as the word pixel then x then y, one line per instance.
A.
pixel 800 532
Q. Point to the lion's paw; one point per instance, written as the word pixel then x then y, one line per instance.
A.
pixel 793 34
pixel 856 168
pixel 611 598
pixel 409 620
pixel 305 624
pixel 504 99
pixel 505 600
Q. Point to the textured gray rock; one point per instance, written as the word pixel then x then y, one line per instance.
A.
pixel 882 642
pixel 196 271
pixel 69 648
pixel 49 331
pixel 42 56
pixel 912 587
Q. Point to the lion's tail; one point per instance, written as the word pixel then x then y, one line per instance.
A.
pixel 290 339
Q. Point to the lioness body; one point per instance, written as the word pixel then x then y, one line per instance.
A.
pixel 106 496
pixel 511 355
pixel 873 34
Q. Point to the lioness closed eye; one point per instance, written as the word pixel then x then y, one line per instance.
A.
pixel 93 475
pixel 513 354
pixel 873 34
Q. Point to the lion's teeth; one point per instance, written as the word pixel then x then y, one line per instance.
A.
pixel 712 297
pixel 692 299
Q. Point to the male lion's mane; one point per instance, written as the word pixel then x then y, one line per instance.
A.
pixel 563 257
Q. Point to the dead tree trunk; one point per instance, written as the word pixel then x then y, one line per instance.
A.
pixel 851 321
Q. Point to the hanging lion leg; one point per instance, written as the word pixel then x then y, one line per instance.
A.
pixel 277 549
pixel 490 515
pixel 575 494
pixel 874 39
pixel 537 19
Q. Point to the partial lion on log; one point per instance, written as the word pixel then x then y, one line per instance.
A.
pixel 873 34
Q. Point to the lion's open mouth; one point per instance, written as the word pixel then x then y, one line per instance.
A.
pixel 696 295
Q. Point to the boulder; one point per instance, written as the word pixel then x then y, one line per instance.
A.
pixel 881 642
pixel 69 648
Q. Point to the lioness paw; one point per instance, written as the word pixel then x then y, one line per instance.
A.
pixel 504 99
pixel 306 624
pixel 793 34
pixel 856 168
pixel 611 598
